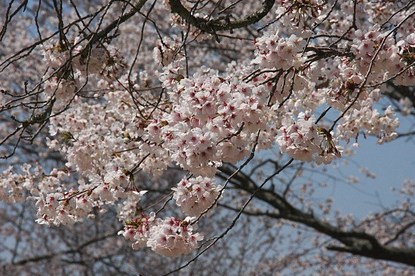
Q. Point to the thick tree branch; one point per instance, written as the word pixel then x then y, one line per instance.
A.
pixel 212 26
pixel 359 243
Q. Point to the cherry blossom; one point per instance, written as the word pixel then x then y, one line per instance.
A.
pixel 114 96
pixel 196 195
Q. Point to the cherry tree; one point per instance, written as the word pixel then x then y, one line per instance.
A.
pixel 188 128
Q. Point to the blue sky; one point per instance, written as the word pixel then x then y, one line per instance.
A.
pixel 392 163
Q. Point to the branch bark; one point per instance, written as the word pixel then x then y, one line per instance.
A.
pixel 212 26
pixel 358 243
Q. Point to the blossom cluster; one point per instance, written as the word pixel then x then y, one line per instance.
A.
pixel 13 186
pixel 196 195
pixel 69 63
pixel 218 124
pixel 275 50
pixel 169 237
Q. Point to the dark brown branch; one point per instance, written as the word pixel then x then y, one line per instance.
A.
pixel 212 26
pixel 359 243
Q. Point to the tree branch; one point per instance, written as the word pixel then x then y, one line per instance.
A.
pixel 212 26
pixel 69 251
pixel 359 243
